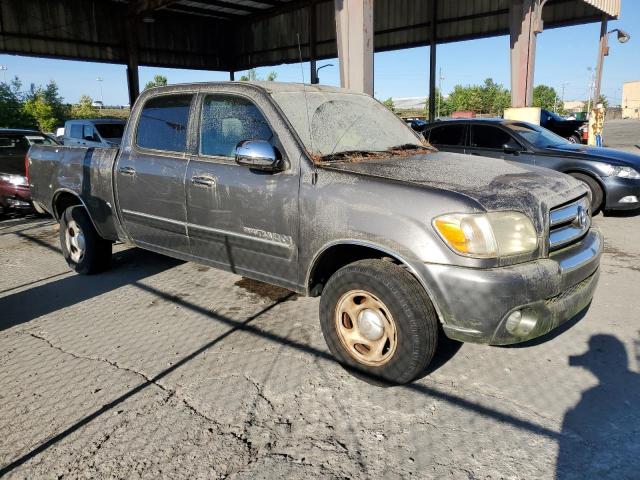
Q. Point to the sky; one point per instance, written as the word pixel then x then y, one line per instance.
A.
pixel 562 60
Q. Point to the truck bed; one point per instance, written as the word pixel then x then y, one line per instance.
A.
pixel 86 173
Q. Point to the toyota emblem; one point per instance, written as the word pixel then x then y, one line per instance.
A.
pixel 582 217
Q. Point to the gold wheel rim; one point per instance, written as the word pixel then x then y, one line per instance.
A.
pixel 366 328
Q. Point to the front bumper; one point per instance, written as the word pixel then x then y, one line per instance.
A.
pixel 621 188
pixel 474 304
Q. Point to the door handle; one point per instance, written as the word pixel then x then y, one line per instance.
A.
pixel 127 170
pixel 203 180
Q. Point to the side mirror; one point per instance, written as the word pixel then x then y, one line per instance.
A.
pixel 512 148
pixel 259 155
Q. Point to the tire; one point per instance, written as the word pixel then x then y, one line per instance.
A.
pixel 597 194
pixel 83 249
pixel 398 302
pixel 575 139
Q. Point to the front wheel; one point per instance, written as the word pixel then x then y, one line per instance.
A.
pixel 83 249
pixel 378 320
pixel 597 194
pixel 574 139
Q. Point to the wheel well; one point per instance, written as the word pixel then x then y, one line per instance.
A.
pixel 595 178
pixel 338 256
pixel 63 201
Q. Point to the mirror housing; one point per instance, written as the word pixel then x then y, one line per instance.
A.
pixel 259 155
pixel 511 147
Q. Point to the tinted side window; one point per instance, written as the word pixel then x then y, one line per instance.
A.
pixel 487 136
pixel 13 144
pixel 163 123
pixel 89 134
pixel 228 120
pixel 452 135
pixel 76 131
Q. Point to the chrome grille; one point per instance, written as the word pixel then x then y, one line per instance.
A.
pixel 569 223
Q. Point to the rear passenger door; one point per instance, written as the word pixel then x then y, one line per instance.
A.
pixel 150 174
pixel 241 219
pixel 448 138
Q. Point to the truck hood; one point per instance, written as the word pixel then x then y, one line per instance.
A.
pixel 494 184
pixel 600 154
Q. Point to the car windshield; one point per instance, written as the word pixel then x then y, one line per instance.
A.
pixel 555 116
pixel 536 135
pixel 110 130
pixel 337 125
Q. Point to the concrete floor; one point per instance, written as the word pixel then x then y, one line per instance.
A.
pixel 622 134
pixel 160 368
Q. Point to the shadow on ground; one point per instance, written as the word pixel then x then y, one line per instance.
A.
pixel 129 266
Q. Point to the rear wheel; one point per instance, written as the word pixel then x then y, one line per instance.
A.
pixel 574 139
pixel 597 194
pixel 378 320
pixel 83 249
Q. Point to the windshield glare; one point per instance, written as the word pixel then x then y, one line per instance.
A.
pixel 538 136
pixel 343 122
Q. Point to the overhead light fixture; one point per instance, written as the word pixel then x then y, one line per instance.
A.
pixel 623 37
pixel 148 19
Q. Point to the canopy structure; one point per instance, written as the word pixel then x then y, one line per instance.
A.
pixel 232 35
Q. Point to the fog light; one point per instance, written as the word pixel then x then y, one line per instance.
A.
pixel 629 199
pixel 520 324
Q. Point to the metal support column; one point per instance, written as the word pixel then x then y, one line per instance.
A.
pixel 525 22
pixel 354 33
pixel 232 76
pixel 602 51
pixel 133 79
pixel 432 61
pixel 312 43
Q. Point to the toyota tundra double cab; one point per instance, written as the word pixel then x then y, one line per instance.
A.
pixel 326 192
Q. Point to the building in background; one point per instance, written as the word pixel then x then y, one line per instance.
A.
pixel 631 100
pixel 574 106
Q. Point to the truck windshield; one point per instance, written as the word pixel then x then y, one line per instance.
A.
pixel 110 130
pixel 333 125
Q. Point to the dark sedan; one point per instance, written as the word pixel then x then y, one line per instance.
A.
pixel 613 176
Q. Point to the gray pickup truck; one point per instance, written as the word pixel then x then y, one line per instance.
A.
pixel 326 192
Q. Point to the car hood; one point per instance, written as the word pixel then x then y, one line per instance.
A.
pixel 601 154
pixel 494 184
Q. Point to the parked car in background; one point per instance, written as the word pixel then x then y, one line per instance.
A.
pixel 612 175
pixel 14 186
pixel 572 130
pixel 103 132
pixel 284 183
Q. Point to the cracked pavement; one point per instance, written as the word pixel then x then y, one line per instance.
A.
pixel 165 369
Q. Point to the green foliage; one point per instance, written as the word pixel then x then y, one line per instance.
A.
pixel 252 76
pixel 545 97
pixel 158 81
pixel 389 104
pixel 489 98
pixel 84 108
pixel 603 100
pixel 12 114
pixel 37 107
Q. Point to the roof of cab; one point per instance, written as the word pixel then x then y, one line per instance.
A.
pixel 270 87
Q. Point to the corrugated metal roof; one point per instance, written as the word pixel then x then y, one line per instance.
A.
pixel 240 34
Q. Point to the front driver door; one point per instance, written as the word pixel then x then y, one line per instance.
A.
pixel 241 219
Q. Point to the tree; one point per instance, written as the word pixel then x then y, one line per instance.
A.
pixel 37 107
pixel 84 108
pixel 158 81
pixel 603 100
pixel 389 104
pixel 12 114
pixel 252 76
pixel 545 97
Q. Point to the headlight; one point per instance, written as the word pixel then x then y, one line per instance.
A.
pixel 14 179
pixel 488 235
pixel 622 172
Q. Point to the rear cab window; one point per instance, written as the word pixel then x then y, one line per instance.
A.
pixel 448 135
pixel 163 123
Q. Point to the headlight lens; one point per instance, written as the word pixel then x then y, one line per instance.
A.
pixel 622 172
pixel 14 179
pixel 488 235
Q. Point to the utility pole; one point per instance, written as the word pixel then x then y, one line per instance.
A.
pixel 100 80
pixel 562 86
pixel 440 79
pixel 4 69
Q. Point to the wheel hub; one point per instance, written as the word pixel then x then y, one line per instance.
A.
pixel 370 324
pixel 75 241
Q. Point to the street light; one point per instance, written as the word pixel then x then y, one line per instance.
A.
pixel 320 68
pixel 100 80
pixel 623 37
pixel 3 69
